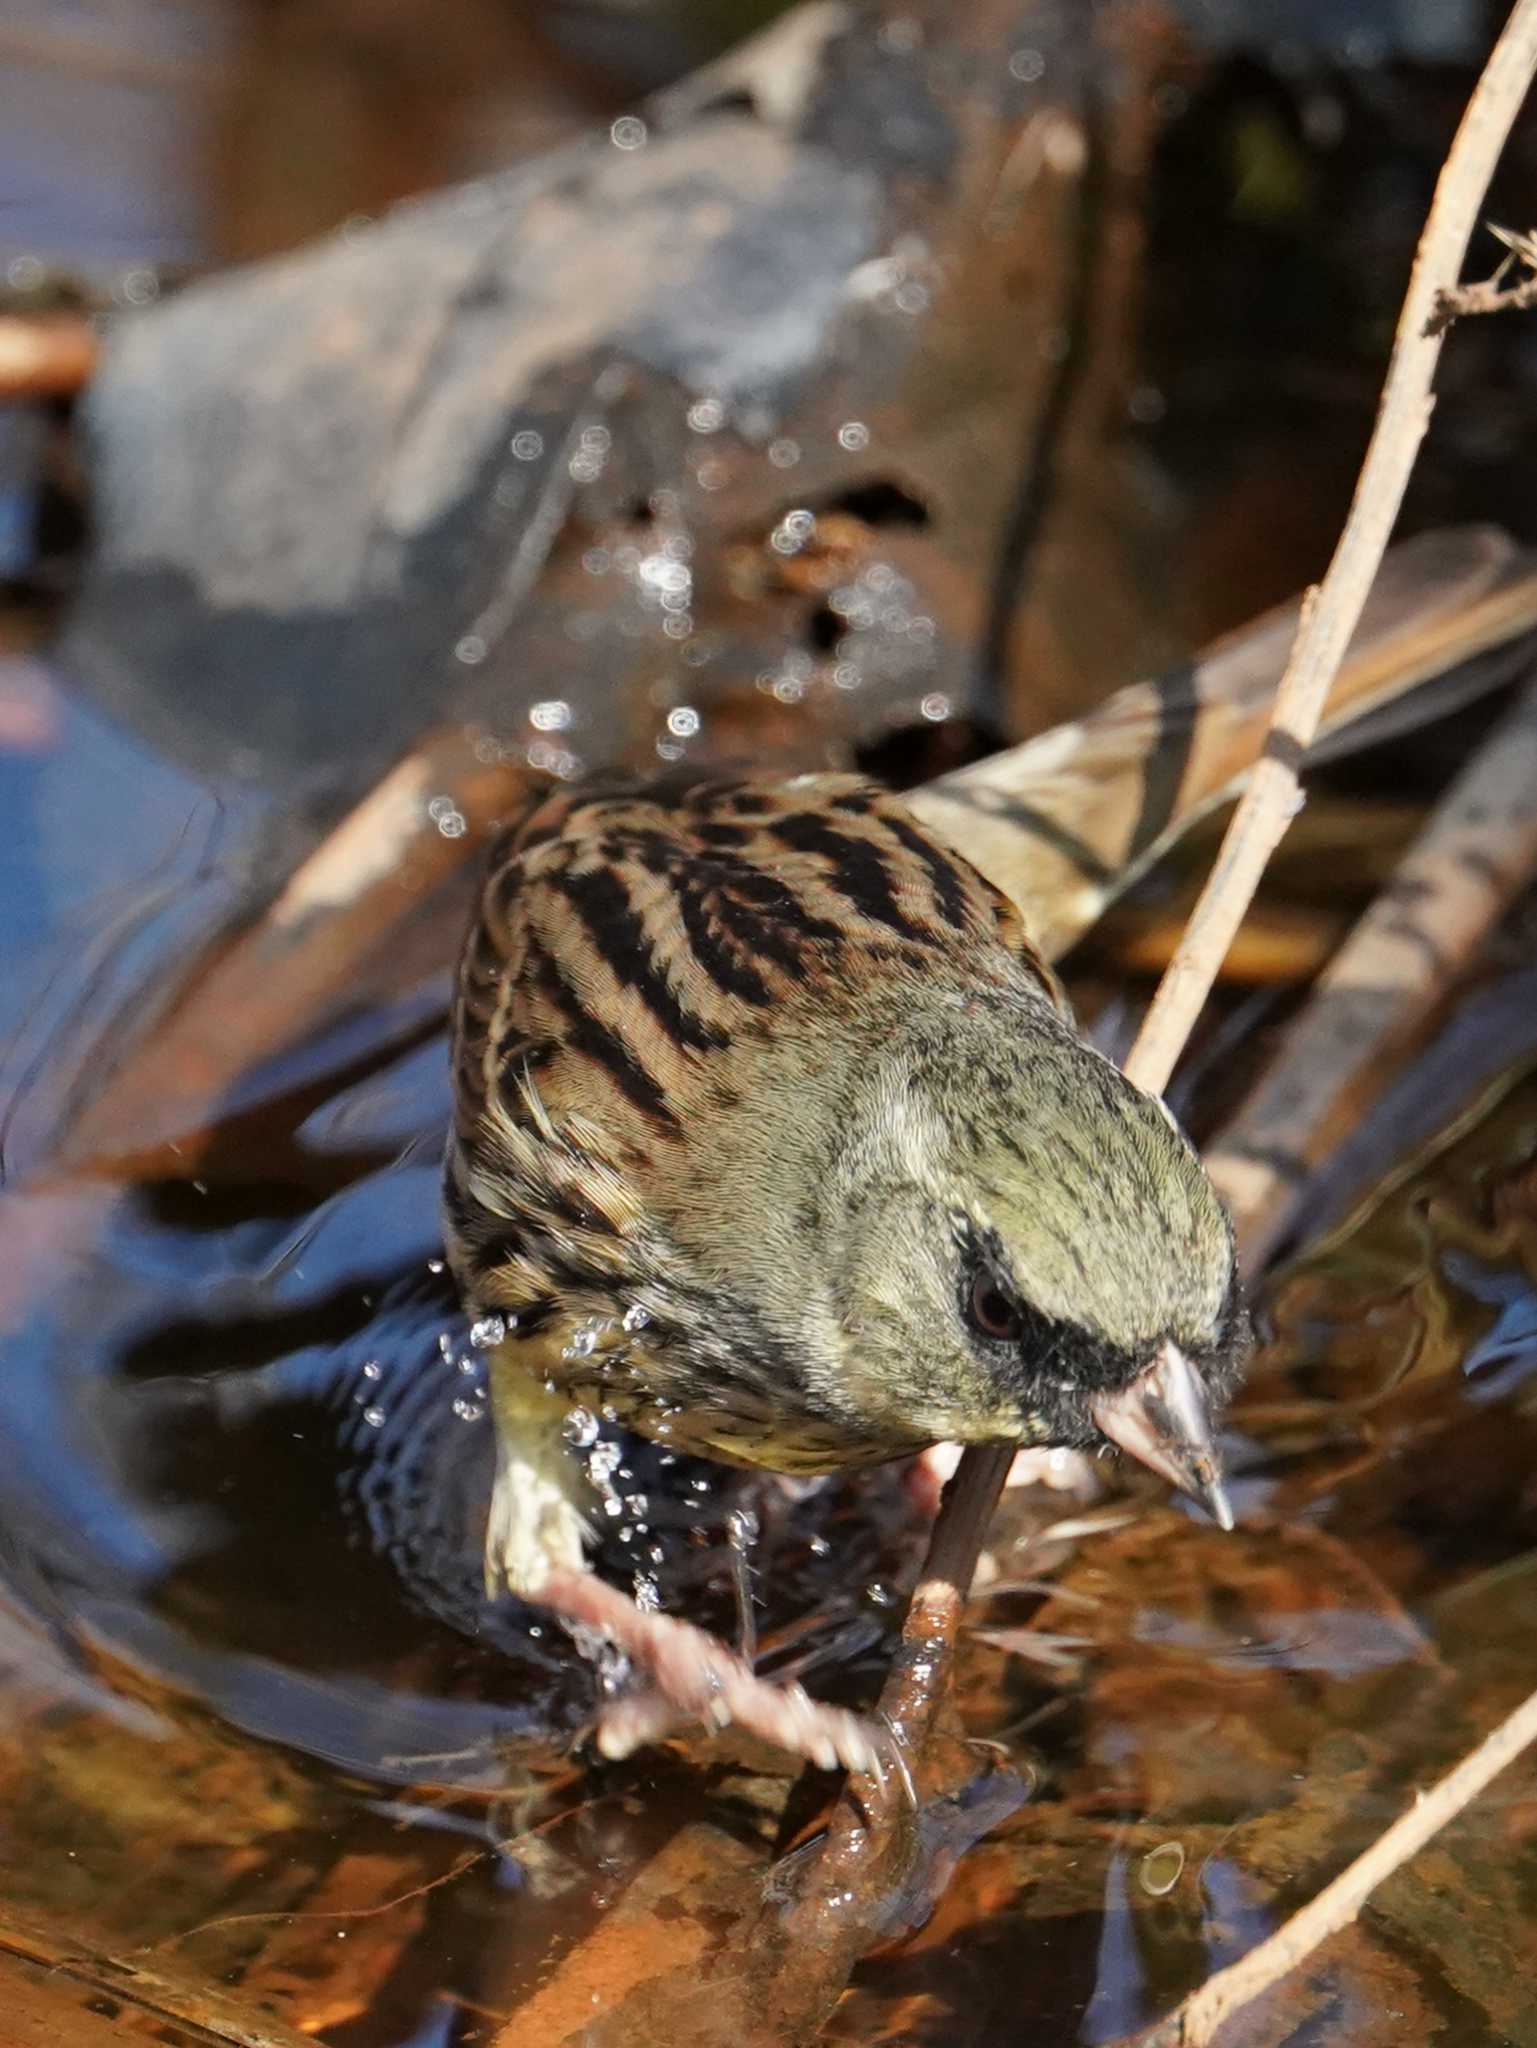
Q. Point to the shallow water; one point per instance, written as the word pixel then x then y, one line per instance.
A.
pixel 256 1700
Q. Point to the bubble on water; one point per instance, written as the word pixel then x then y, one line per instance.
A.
pixel 25 273
pixel 551 714
pixel 526 445
pixel 683 721
pixel 1027 66
pixel 854 435
pixel 935 707
pixel 706 415
pixel 597 561
pixel 471 650
pixel 1161 1869
pixel 628 132
pixel 374 1417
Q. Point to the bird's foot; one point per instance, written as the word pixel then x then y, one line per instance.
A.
pixel 695 1677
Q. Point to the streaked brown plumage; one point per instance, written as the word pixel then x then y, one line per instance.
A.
pixel 773 1137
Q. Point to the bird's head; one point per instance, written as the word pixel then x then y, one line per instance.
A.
pixel 1016 1243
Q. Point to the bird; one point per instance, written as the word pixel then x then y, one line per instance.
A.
pixel 774 1140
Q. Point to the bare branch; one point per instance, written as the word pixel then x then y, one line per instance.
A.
pixel 1270 801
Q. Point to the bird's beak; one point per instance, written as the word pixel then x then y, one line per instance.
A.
pixel 1162 1418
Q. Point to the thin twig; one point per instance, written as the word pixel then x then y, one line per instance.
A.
pixel 1493 295
pixel 1196 2021
pixel 1270 801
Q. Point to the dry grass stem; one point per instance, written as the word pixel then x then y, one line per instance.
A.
pixel 1270 801
pixel 1196 2022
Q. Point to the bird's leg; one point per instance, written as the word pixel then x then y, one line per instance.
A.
pixel 535 1539
pixel 535 1525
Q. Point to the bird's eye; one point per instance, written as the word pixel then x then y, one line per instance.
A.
pixel 991 1313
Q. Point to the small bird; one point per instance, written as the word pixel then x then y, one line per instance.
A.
pixel 774 1140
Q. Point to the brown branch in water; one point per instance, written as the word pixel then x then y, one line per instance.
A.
pixel 1328 620
pixel 1371 1003
pixel 1195 2022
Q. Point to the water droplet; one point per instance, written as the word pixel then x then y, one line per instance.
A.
pixel 1027 66
pixel 373 1370
pixel 636 1317
pixel 683 721
pixel 487 1330
pixel 471 650
pixel 706 415
pixel 553 714
pixel 935 706
pixel 581 1344
pixel 628 132
pixel 527 446
pixel 879 1595
pixel 819 1546
pixel 854 435
pixel 374 1417
pixel 435 1266
pixel 580 1428
pixel 468 1410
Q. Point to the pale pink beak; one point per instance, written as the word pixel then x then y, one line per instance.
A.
pixel 1162 1419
